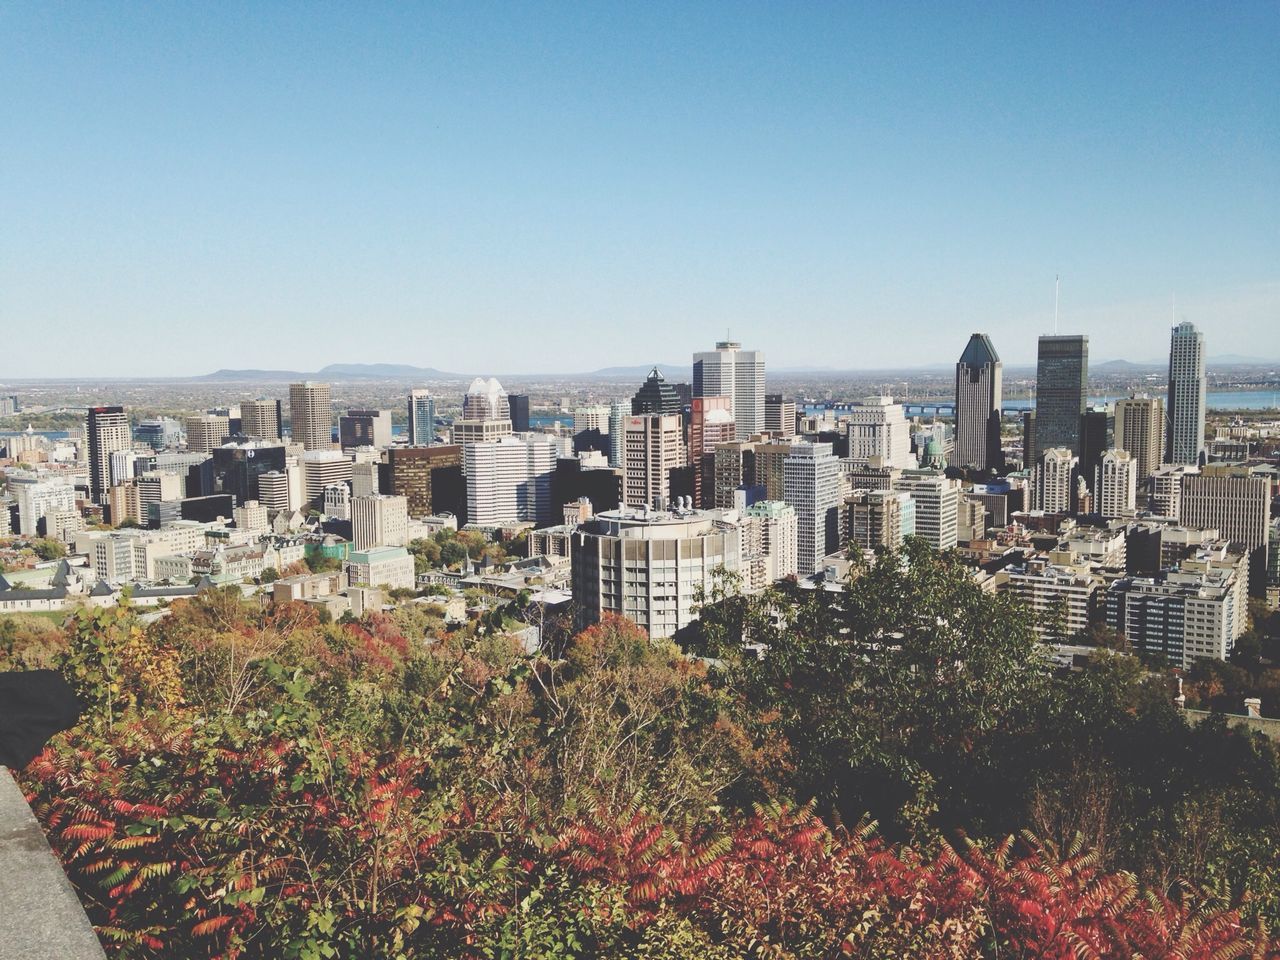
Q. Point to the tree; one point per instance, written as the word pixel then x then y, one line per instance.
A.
pixel 49 549
pixel 269 575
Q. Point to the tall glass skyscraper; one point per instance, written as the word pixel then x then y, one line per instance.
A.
pixel 422 418
pixel 979 391
pixel 1062 385
pixel 729 371
pixel 1185 436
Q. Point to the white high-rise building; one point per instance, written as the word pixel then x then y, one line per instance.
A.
pixel 879 428
pixel 322 469
pixel 648 565
pixel 378 520
pixel 1116 484
pixel 509 479
pixel 1230 498
pixel 1185 438
pixel 273 490
pixel 811 485
pixel 730 371
pixel 1140 430
pixel 771 556
pixel 1056 480
pixel 937 505
pixel 486 413
pixel 364 476
pixel 38 497
pixel 1166 490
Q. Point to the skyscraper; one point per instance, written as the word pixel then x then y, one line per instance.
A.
pixel 422 418
pixel 260 419
pixel 655 396
pixel 1140 430
pixel 1062 380
pixel 311 415
pixel 653 446
pixel 364 428
pixel 207 431
pixel 779 415
pixel 107 430
pixel 1186 395
pixel 710 423
pixel 877 428
pixel 811 480
pixel 1115 487
pixel 729 371
pixel 519 405
pixel 486 413
pixel 617 432
pixel 979 392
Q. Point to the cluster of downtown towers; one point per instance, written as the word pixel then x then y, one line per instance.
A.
pixel 1061 419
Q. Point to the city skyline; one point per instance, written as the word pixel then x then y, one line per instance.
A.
pixel 419 175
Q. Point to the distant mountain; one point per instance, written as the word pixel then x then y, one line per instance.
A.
pixel 338 371
pixel 1124 366
pixel 668 370
pixel 388 370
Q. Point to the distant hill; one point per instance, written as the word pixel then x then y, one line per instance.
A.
pixel 1124 366
pixel 393 370
pixel 672 371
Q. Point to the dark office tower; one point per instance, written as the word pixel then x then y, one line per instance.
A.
pixel 1062 381
pixel 1184 441
pixel 656 396
pixel 1029 440
pixel 235 469
pixel 107 430
pixel 1097 436
pixel 519 412
pixel 979 393
pixel 430 478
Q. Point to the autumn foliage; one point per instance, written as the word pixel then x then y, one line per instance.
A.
pixel 253 782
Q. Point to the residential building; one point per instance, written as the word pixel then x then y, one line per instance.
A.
pixel 311 415
pixel 37 497
pixel 649 565
pixel 1055 484
pixel 729 371
pixel 422 418
pixel 979 396
pixel 1062 380
pixel 617 433
pixel 1185 441
pixel 811 485
pixel 771 556
pixel 1116 484
pixel 106 431
pixel 1195 611
pixel 1166 490
pixel 1061 599
pixel 937 505
pixel 879 519
pixel 592 418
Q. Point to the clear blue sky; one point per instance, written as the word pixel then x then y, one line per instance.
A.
pixel 556 187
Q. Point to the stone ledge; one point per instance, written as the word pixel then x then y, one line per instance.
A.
pixel 40 914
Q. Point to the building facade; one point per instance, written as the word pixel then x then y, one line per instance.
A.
pixel 729 371
pixel 979 396
pixel 1185 443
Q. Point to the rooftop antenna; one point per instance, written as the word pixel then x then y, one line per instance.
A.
pixel 1057 283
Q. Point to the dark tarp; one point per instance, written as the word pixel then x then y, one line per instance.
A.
pixel 34 705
